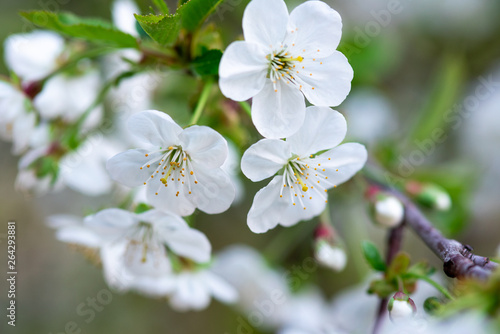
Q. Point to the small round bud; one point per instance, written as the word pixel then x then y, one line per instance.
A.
pixel 401 306
pixel 329 255
pixel 389 211
pixel 432 305
pixel 430 195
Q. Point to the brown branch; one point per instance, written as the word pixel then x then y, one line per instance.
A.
pixel 458 259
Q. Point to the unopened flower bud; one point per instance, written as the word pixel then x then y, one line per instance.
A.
pixel 328 249
pixel 401 306
pixel 329 255
pixel 430 195
pixel 389 211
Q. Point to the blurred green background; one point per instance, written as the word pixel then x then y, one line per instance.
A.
pixel 421 62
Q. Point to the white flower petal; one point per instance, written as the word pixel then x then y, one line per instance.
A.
pixel 323 129
pixel 220 289
pixel 265 22
pixel 12 102
pixel 32 155
pixel 265 158
pixel 89 177
pixel 278 112
pixel 161 218
pixel 124 269
pixel 204 144
pixel 125 167
pixel 23 128
pixel 214 192
pixel 33 56
pixel 63 220
pixel 191 293
pixel 314 26
pixel 70 229
pixel 110 223
pixel 348 159
pixel 190 243
pixel 292 214
pixel 68 96
pixel 267 207
pixel 154 128
pixel 326 81
pixel 78 235
pixel 243 70
pixel 174 198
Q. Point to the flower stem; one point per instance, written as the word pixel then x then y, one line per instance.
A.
pixel 246 107
pixel 435 284
pixel 201 102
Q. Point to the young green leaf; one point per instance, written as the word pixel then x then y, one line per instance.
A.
pixel 382 288
pixel 163 29
pixel 162 6
pixel 195 12
pixel 373 256
pixel 90 29
pixel 207 63
pixel 399 265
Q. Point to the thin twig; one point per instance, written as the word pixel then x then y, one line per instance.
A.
pixel 394 245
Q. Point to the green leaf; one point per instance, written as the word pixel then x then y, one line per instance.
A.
pixel 195 12
pixel 382 288
pixel 162 6
pixel 399 265
pixel 164 29
pixel 142 207
pixel 208 63
pixel 373 256
pixel 421 268
pixel 90 29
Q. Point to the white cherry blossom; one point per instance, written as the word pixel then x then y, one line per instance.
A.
pixel 308 164
pixel 181 168
pixel 18 122
pixel 68 96
pixel 83 170
pixel 285 57
pixel 33 56
pixel 134 248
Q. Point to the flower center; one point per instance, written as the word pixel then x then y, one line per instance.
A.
pixel 142 241
pixel 304 179
pixel 282 65
pixel 172 166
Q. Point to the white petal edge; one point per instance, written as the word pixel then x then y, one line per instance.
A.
pixel 267 206
pixel 154 128
pixel 326 81
pixel 347 158
pixel 314 26
pixel 323 128
pixel 125 167
pixel 265 22
pixel 265 158
pixel 204 145
pixel 243 70
pixel 214 192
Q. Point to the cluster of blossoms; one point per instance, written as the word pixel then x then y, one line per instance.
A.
pixel 51 112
